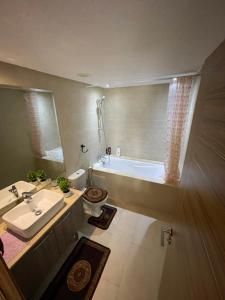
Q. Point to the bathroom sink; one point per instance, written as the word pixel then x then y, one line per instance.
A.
pixel 23 221
pixel 8 199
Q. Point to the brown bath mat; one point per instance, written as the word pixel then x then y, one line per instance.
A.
pixel 105 219
pixel 80 274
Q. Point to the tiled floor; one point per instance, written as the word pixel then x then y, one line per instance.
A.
pixel 135 264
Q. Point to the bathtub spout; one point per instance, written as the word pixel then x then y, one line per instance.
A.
pixel 103 159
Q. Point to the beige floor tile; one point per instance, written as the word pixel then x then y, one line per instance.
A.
pixel 142 275
pixel 148 233
pixel 100 236
pixel 116 263
pixel 105 291
pixel 134 267
pixel 124 225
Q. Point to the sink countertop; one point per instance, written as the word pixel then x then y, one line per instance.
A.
pixel 30 243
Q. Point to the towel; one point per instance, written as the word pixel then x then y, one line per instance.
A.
pixel 12 246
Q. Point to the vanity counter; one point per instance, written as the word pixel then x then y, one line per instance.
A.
pixel 69 202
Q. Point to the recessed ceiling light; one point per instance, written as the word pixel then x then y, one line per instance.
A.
pixel 83 75
pixel 107 85
pixel 175 79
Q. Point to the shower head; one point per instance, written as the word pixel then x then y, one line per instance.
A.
pixel 100 99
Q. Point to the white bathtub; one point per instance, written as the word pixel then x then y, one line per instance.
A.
pixel 55 154
pixel 136 185
pixel 139 169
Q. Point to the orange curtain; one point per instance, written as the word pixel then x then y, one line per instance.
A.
pixel 177 113
pixel 33 112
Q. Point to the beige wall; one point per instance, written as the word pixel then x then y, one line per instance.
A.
pixel 135 116
pixel 195 262
pixel 75 107
pixel 135 120
pixel 16 156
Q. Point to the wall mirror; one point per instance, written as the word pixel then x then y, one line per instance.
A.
pixel 29 136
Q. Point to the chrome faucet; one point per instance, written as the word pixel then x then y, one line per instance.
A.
pixel 14 191
pixel 28 199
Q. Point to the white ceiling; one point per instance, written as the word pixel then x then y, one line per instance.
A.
pixel 120 42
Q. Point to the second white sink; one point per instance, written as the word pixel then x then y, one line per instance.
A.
pixel 23 221
pixel 8 199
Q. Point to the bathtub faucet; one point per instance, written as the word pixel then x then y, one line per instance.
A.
pixel 103 158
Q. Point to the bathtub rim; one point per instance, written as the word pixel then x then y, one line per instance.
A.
pixel 135 159
pixel 126 174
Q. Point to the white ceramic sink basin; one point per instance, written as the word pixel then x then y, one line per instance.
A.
pixel 23 221
pixel 8 199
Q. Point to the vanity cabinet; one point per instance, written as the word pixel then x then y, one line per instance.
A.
pixel 66 232
pixel 66 228
pixel 34 271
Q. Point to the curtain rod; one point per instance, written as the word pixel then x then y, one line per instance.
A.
pixel 179 76
pixel 159 80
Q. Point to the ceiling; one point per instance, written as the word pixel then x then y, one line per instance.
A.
pixel 116 42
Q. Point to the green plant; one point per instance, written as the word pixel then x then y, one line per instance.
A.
pixel 41 175
pixel 32 176
pixel 59 178
pixel 64 185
